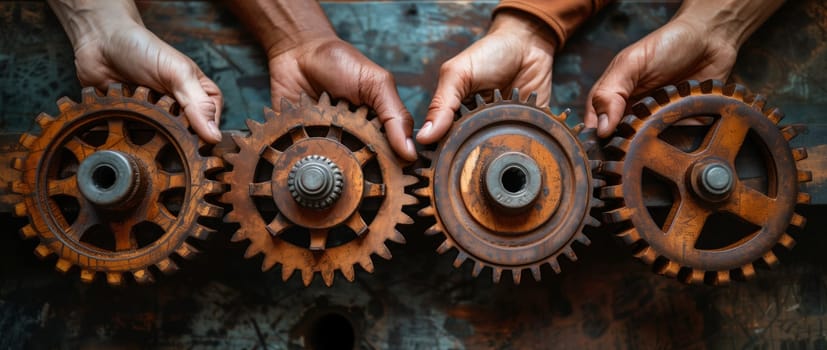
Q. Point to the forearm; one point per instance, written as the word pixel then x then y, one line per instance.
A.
pixel 732 20
pixel 283 24
pixel 83 19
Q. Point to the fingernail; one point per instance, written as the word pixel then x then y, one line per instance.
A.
pixel 425 130
pixel 603 122
pixel 409 144
pixel 213 129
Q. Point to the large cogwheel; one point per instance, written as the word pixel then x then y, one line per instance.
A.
pixel 115 184
pixel 510 187
pixel 732 190
pixel 317 188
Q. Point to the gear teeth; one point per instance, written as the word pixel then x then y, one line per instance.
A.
pixel 65 104
pixel 186 251
pixel 597 204
pixel 803 198
pixel 721 278
pixel 28 232
pixel 618 215
pixel 630 236
pixel 669 269
pixel 460 258
pixel 407 200
pixel 19 187
pixel 397 237
pixel 515 95
pixel 477 269
pixel 799 153
pixel 631 123
pixel 614 168
pixel 555 265
pixel 425 172
pixel 384 252
pixel 516 275
pixel 87 276
pixel 306 101
pixel 201 232
pixel 327 275
pixel 532 99
pixel 287 272
pixel 564 115
pixel 775 115
pixel 141 93
pixel 798 221
pixel 591 221
pixel 498 96
pixel 254 127
pixel 758 103
pixel 267 263
pixel 404 219
pixel 116 90
pixel 598 183
pixel 324 100
pixel 429 155
pixel 17 164
pixel 748 271
pixel 582 239
pixel 409 180
pixel 569 253
pixel 44 119
pixel 690 87
pixel 42 251
pixel 444 247
pixel 424 192
pixel 167 266
pixel 20 210
pixel 735 91
pixel 786 241
pixel 805 176
pixel 114 279
pixel 209 210
pixel 671 92
pixel 695 277
pixel 645 107
pixel 479 100
pixel 577 129
pixel 27 140
pixel 89 95
pixel 433 230
pixel 307 275
pixel 367 264
pixel 214 187
pixel 63 266
pixel 426 211
pixel 619 145
pixel 143 276
pixel 212 164
pixel 348 272
pixel 647 255
pixel 496 274
pixel 713 86
pixel 595 165
pixel 770 259
pixel 791 131
pixel 463 110
pixel 535 272
pixel 612 192
pixel 166 103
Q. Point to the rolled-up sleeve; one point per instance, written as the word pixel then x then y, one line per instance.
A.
pixel 563 16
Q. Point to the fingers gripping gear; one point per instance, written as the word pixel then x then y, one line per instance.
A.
pixel 510 187
pixel 706 181
pixel 115 184
pixel 317 189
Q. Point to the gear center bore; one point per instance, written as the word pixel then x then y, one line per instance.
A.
pixel 513 181
pixel 712 180
pixel 111 180
pixel 315 182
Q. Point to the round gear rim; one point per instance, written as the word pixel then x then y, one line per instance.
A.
pixel 530 246
pixel 39 185
pixel 736 114
pixel 264 237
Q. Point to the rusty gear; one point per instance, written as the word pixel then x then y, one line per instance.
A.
pixel 115 184
pixel 705 181
pixel 510 187
pixel 317 188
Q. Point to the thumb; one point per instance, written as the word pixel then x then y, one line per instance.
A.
pixel 392 113
pixel 202 110
pixel 450 91
pixel 607 101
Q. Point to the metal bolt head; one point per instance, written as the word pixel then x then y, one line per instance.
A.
pixel 716 179
pixel 513 181
pixel 315 182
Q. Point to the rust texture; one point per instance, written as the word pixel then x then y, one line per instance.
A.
pixel 115 185
pixel 299 146
pixel 705 181
pixel 510 187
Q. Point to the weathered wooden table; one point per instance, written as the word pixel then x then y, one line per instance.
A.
pixel 416 300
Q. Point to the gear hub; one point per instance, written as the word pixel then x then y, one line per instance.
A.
pixel 510 187
pixel 707 181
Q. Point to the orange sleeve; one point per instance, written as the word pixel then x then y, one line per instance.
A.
pixel 563 16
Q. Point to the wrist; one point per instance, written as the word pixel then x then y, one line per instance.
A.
pixel 728 21
pixel 524 26
pixel 277 46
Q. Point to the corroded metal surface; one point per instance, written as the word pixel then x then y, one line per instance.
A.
pixel 510 188
pixel 705 181
pixel 289 229
pixel 115 185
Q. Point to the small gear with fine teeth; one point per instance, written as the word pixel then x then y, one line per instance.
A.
pixel 511 187
pixel 317 188
pixel 116 185
pixel 726 186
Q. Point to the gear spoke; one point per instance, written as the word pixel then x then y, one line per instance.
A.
pixel 685 223
pixel 79 148
pixel 85 220
pixel 664 158
pixel 298 133
pixel 356 223
pixel 727 136
pixel 163 219
pixel 155 144
pixel 318 239
pixel 116 134
pixel 124 239
pixel 334 133
pixel 373 190
pixel 750 205
pixel 278 225
pixel 270 154
pixel 261 189
pixel 173 180
pixel 67 186
pixel 364 154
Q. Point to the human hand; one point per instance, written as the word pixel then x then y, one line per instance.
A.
pixel 326 63
pixel 112 45
pixel 701 42
pixel 517 52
